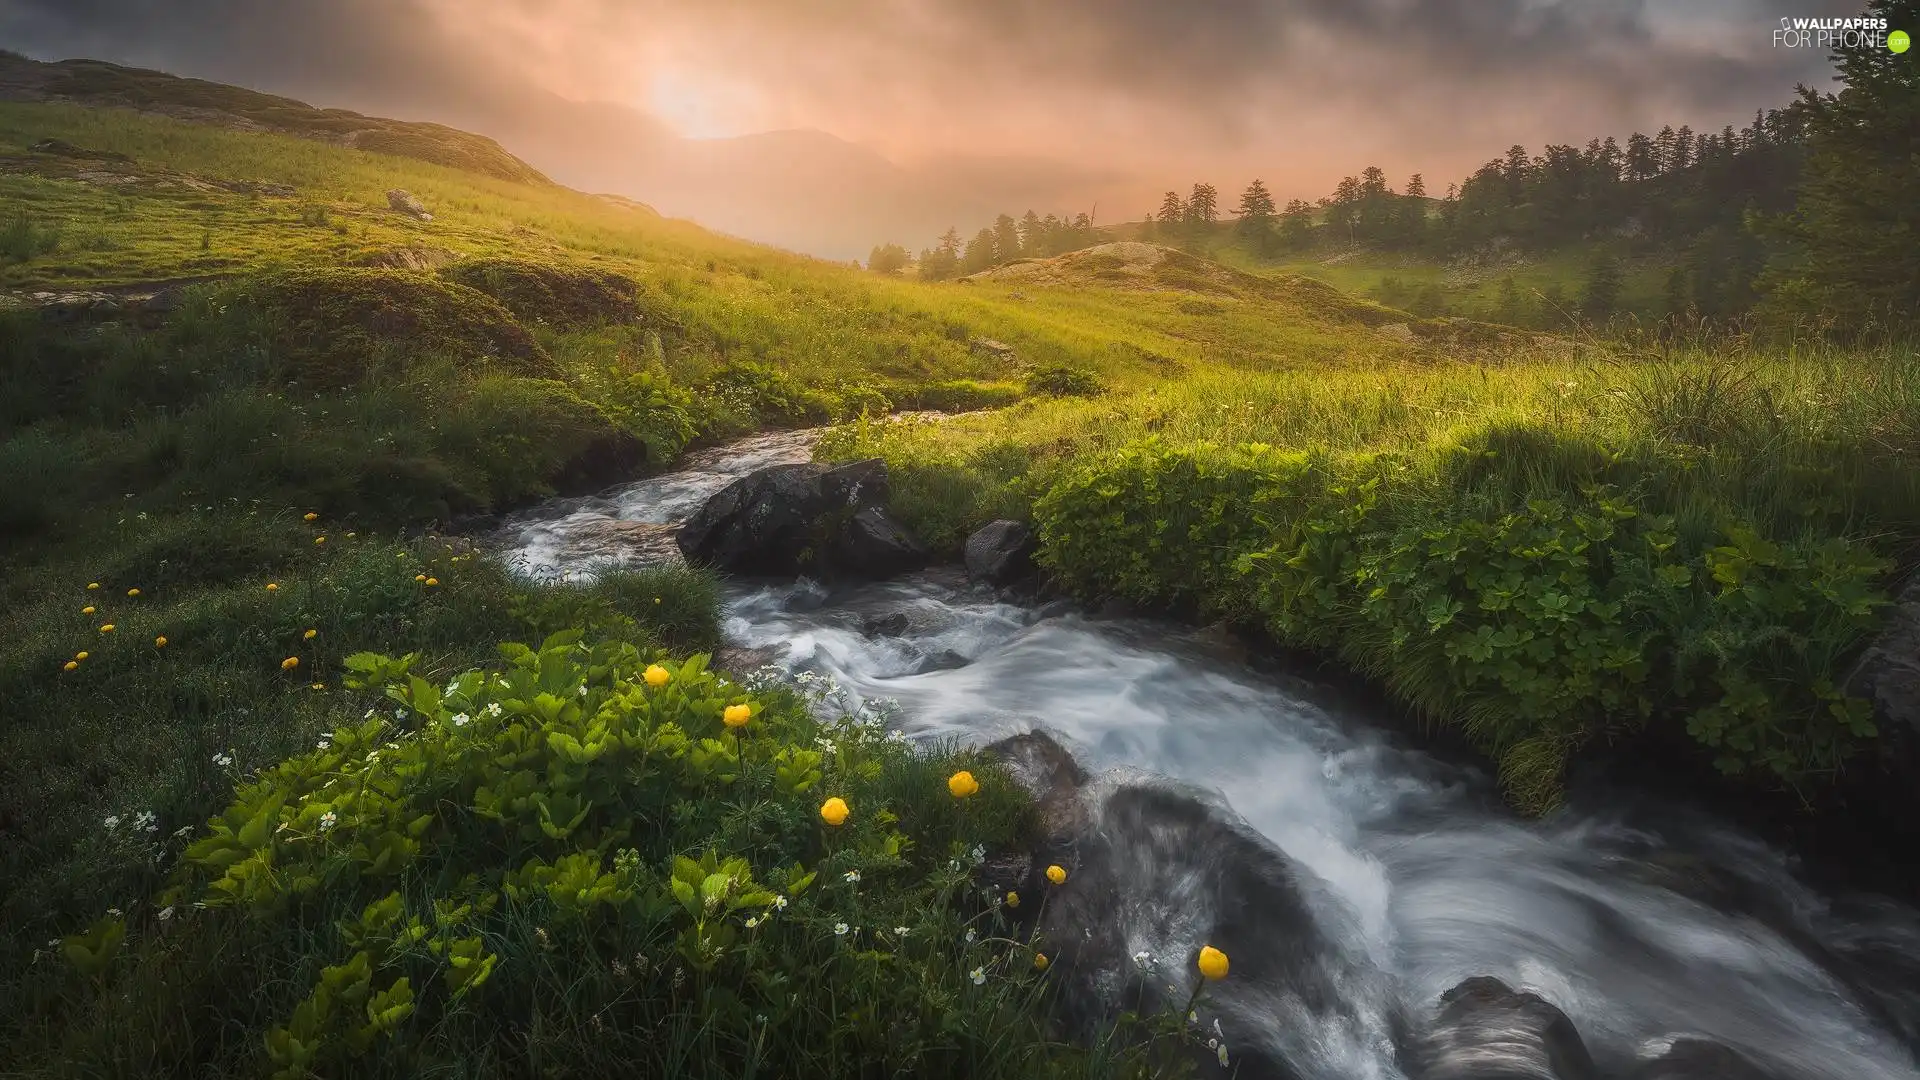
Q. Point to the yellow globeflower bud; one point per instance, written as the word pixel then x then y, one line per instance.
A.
pixel 433 581
pixel 160 642
pixel 834 811
pixel 311 516
pixel 273 587
pixel 93 585
pixel 133 592
pixel 737 716
pixel 1213 962
pixel 88 610
pixel 1057 874
pixel 1040 961
pixel 310 635
pixel 656 675
pixel 82 655
pixel 71 665
pixel 107 629
pixel 962 784
pixel 289 663
pixel 1013 899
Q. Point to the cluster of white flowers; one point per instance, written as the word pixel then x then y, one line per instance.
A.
pixel 852 877
pixel 223 760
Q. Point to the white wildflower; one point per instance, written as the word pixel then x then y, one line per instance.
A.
pixel 326 743
pixel 972 937
pixel 223 760
pixel 852 877
pixel 1223 1055
pixel 752 921
pixel 902 931
pixel 164 913
pixel 327 820
pixel 978 975
pixel 493 710
pixel 460 719
pixel 840 929
pixel 115 912
pixel 111 821
pixel 1143 958
pixel 780 902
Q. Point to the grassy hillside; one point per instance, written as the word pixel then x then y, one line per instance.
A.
pixel 235 386
pixel 240 396
pixel 103 85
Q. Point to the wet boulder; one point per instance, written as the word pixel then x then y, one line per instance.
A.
pixel 786 520
pixel 1486 1030
pixel 1154 872
pixel 1699 1059
pixel 1001 552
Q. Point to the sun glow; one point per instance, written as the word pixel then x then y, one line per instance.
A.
pixel 693 109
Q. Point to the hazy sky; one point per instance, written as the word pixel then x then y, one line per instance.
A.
pixel 1160 92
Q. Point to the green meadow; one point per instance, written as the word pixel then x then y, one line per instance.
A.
pixel 280 793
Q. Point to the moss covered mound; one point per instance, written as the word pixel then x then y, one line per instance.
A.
pixel 333 327
pixel 558 296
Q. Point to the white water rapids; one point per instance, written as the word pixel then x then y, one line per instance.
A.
pixel 1642 925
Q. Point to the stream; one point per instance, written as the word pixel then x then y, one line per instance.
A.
pixel 1643 922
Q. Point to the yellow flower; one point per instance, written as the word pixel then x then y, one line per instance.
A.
pixel 319 539
pixel 433 581
pixel 1040 961
pixel 71 665
pixel 1057 874
pixel 1213 962
pixel 310 635
pixel 311 516
pixel 737 716
pixel 1013 899
pixel 93 584
pixel 656 599
pixel 834 811
pixel 82 655
pixel 107 628
pixel 962 784
pixel 133 592
pixel 419 577
pixel 160 642
pixel 289 663
pixel 319 686
pixel 656 675
pixel 273 587
pixel 88 610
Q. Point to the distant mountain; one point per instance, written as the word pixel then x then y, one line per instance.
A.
pixel 800 189
pixel 93 82
pixel 804 190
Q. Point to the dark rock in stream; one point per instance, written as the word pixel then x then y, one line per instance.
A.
pixel 890 625
pixel 1001 553
pixel 1486 1030
pixel 803 519
pixel 1155 872
pixel 1698 1059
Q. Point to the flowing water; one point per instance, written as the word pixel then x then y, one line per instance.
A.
pixel 1642 922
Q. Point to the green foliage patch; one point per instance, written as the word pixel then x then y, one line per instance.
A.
pixel 540 294
pixel 1538 625
pixel 574 860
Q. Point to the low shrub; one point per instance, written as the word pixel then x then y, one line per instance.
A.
pixel 587 859
pixel 541 294
pixel 955 395
pixel 1537 622
pixel 1061 380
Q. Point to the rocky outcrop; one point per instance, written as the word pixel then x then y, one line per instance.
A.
pixel 1888 673
pixel 1154 872
pixel 405 203
pixel 808 519
pixel 1486 1030
pixel 1001 553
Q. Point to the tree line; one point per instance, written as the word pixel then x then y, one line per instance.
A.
pixel 1007 239
pixel 1810 210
